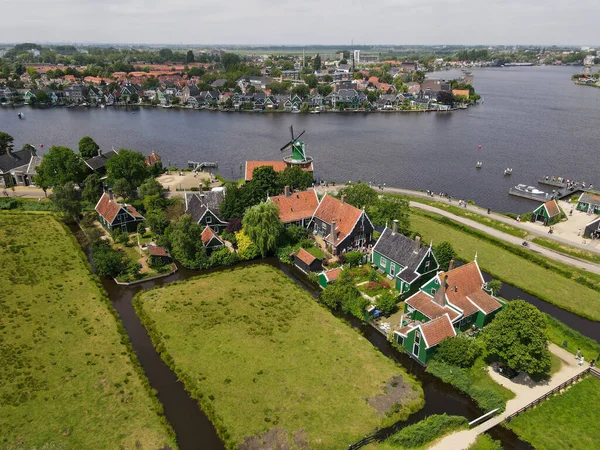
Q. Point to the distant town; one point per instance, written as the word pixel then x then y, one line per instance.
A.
pixel 289 80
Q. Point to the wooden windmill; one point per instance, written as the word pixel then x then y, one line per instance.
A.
pixel 298 155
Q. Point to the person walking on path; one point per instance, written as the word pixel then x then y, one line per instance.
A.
pixel 578 355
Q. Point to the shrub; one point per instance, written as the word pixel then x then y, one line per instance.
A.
pixel 494 286
pixel 247 249
pixel 283 253
pixel 460 351
pixel 307 243
pixel 108 262
pixel 426 431
pixel 120 237
pixel 444 253
pixel 8 203
pixel 223 257
pixel 141 228
pixel 372 286
pixel 296 233
pixel 387 303
pixel 354 258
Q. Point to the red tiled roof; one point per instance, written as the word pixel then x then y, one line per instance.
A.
pixel 107 208
pixel 297 206
pixel 133 211
pixel 152 159
pixel 305 257
pixel 485 301
pixel 464 283
pixel 153 250
pixel 552 208
pixel 278 166
pixel 425 304
pixel 437 330
pixel 207 235
pixel 333 274
pixel 344 215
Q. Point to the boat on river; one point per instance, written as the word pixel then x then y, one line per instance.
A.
pixel 479 164
pixel 529 189
pixel 507 171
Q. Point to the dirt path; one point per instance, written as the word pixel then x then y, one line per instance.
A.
pixel 526 391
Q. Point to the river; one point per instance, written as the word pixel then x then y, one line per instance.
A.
pixel 533 119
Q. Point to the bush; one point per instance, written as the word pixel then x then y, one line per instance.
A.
pixel 444 253
pixel 8 203
pixel 120 237
pixel 387 303
pixel 283 253
pixel 247 249
pixel 296 233
pixel 141 228
pixel 494 286
pixel 426 431
pixel 354 258
pixel 108 262
pixel 229 237
pixel 307 243
pixel 372 286
pixel 223 257
pixel 461 351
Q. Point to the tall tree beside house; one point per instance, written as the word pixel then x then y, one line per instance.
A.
pixel 128 165
pixel 265 182
pixel 518 337
pixel 234 204
pixel 151 187
pixel 88 147
pixel 59 166
pixel 92 189
pixel 317 62
pixel 189 57
pixel 444 253
pixel 262 224
pixel 185 242
pixel 6 142
pixel 389 208
pixel 123 188
pixel 301 90
pixel 359 195
pixel 67 200
pixel 296 178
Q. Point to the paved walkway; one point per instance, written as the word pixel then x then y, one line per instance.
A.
pixel 557 256
pixel 526 391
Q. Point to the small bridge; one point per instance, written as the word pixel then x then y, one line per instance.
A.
pixel 202 165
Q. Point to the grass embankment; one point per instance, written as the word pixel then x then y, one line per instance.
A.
pixel 68 376
pixel 565 421
pixel 558 333
pixel 468 214
pixel 485 442
pixel 266 362
pixel 475 382
pixel 568 249
pixel 551 281
pixel 422 434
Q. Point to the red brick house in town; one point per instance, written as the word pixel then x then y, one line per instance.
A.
pixel 296 208
pixel 342 226
pixel 117 216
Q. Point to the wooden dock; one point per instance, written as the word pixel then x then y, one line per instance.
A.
pixel 557 194
pixel 202 165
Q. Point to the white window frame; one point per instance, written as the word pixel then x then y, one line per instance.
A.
pixel 208 219
pixel 392 269
pixel 382 262
pixel 417 343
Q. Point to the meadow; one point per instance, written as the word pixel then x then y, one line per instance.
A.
pixel 68 375
pixel 269 365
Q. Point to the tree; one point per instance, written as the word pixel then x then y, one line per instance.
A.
pixel 445 98
pixel 123 188
pixel 518 337
pixel 42 97
pixel 344 295
pixel 360 195
pixel 301 91
pixel 247 249
pixel 389 208
pixel 317 62
pixel 295 178
pixel 386 302
pixel 166 54
pixel 311 80
pixel 234 204
pixel 150 187
pixel 92 189
pixel 495 286
pixel 189 57
pixel 267 182
pixel 324 90
pixel 444 253
pixel 108 262
pixel 262 224
pixel 230 60
pixel 59 166
pixel 67 200
pixel 88 148
pixel 186 245
pixel 6 142
pixel 461 351
pixel 128 165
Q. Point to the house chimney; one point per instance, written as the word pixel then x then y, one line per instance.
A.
pixel 417 244
pixel 343 199
pixel 286 191
pixel 333 232
pixel 110 194
pixel 451 265
pixel 395 226
pixel 440 295
pixel 99 152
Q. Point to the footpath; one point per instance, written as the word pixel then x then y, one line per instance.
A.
pixel 526 391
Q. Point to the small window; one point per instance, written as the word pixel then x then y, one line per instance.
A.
pixel 208 219
pixel 393 269
pixel 383 262
pixel 427 264
pixel 433 292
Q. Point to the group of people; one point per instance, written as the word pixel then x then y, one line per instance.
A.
pixel 581 360
pixel 570 183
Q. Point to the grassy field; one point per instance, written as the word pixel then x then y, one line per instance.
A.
pixel 67 379
pixel 568 249
pixel 558 333
pixel 566 421
pixel 504 265
pixel 485 442
pixel 268 364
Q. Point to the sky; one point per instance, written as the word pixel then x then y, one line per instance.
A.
pixel 302 22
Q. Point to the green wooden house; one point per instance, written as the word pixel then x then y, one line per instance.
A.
pixel 406 261
pixel 548 213
pixel 592 229
pixel 460 294
pixel 204 209
pixel 421 341
pixel 329 276
pixel 589 202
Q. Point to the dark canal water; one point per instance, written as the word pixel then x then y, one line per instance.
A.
pixel 533 119
pixel 195 431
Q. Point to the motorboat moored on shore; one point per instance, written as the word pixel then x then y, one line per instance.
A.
pixel 529 189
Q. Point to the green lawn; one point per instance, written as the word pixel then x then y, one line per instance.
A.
pixel 566 421
pixel 504 265
pixel 558 333
pixel 68 378
pixel 568 249
pixel 266 362
pixel 485 442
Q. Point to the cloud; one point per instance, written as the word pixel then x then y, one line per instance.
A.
pixel 281 22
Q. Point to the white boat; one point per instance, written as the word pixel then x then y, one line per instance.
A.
pixel 478 165
pixel 316 111
pixel 295 111
pixel 166 106
pixel 529 189
pixel 507 171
